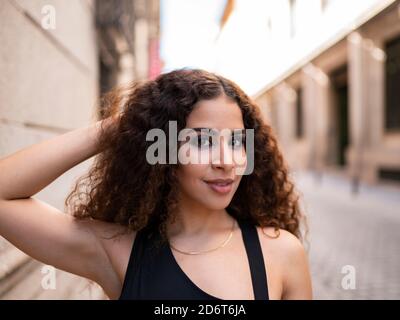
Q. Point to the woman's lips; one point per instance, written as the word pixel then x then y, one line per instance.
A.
pixel 220 187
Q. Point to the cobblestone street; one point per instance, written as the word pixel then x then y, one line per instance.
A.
pixel 361 231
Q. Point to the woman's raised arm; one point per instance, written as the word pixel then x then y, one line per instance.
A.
pixel 27 171
pixel 38 229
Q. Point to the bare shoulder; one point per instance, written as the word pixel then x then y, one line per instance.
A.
pixel 290 256
pixel 287 243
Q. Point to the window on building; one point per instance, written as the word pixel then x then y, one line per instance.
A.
pixel 326 3
pixel 391 174
pixel 299 114
pixel 269 25
pixel 293 14
pixel 339 80
pixel 392 70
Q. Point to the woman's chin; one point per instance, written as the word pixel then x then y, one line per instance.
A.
pixel 220 204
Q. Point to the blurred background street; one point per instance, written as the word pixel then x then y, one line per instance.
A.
pixel 361 231
pixel 324 73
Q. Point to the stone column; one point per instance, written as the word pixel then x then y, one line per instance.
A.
pixel 316 103
pixel 376 108
pixel 366 106
pixel 286 104
pixel 321 118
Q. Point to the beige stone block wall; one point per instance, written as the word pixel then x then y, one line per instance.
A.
pixel 40 83
pixel 48 86
pixel 74 27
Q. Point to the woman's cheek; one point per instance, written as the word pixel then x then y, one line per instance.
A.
pixel 240 160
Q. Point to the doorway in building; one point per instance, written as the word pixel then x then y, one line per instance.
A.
pixel 340 113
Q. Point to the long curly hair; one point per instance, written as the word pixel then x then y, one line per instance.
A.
pixel 122 187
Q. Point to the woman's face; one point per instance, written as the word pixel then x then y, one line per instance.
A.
pixel 221 158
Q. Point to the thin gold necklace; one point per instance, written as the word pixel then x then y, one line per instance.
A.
pixel 210 250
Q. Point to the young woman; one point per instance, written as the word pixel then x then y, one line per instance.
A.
pixel 165 230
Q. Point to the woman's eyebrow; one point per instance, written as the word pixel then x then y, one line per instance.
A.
pixel 214 131
pixel 204 130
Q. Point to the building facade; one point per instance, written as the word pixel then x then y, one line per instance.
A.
pixel 330 71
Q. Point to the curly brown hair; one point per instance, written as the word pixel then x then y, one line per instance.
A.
pixel 122 187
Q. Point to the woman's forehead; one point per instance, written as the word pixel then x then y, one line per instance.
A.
pixel 217 113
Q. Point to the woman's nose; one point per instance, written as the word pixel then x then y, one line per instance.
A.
pixel 223 156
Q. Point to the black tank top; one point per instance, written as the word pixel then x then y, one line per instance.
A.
pixel 153 273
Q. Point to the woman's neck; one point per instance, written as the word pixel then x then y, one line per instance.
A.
pixel 194 220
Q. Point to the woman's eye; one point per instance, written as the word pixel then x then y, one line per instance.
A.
pixel 202 141
pixel 237 142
